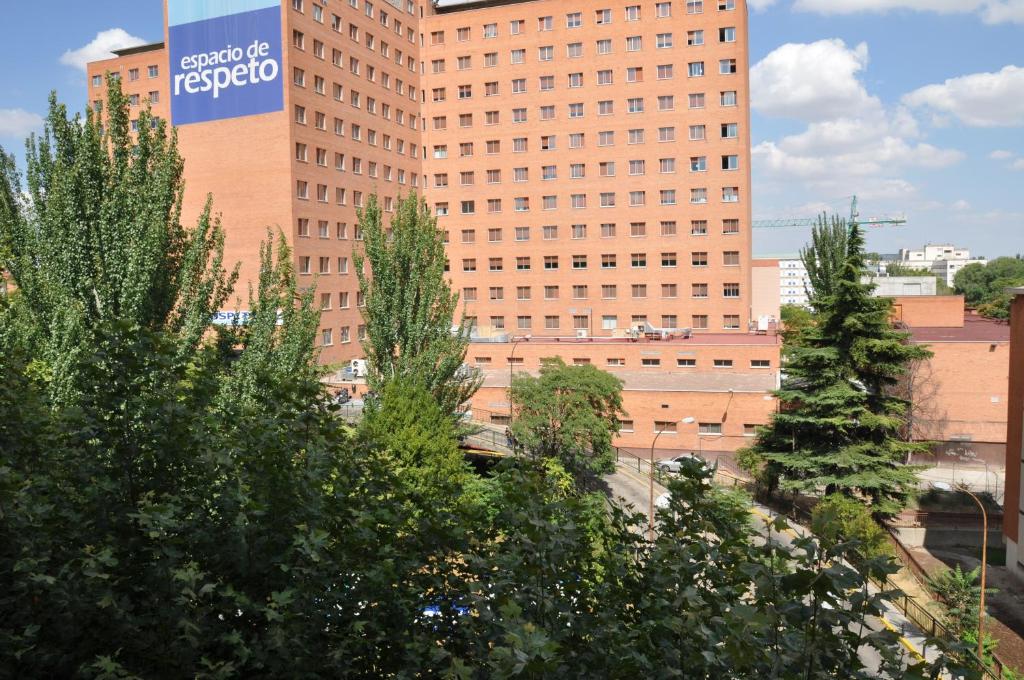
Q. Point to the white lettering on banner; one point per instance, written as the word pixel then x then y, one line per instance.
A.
pixel 221 69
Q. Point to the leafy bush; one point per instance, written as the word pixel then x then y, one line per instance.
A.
pixel 838 518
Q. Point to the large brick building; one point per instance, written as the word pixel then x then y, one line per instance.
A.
pixel 588 162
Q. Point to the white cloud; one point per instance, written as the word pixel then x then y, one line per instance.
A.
pixel 852 143
pixel 812 81
pixel 961 205
pixel 19 122
pixel 760 5
pixel 1001 155
pixel 978 99
pixel 991 11
pixel 101 47
pixel 1002 11
pixel 1017 164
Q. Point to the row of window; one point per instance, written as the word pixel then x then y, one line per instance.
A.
pixel 344 335
pixel 578 140
pixel 606 199
pixel 133 75
pixel 670 427
pixel 620 362
pixel 608 230
pixel 638 291
pixel 341 194
pixel 574 50
pixel 580 322
pixel 695 100
pixel 548 233
pixel 636 168
pixel 577 79
pixel 602 17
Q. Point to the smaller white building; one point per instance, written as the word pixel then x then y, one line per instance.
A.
pixel 793 282
pixel 943 260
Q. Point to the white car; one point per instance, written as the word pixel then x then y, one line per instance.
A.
pixel 674 464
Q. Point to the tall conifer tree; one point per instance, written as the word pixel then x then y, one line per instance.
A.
pixel 838 430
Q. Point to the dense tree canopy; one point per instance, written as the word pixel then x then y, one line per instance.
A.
pixel 570 413
pixel 984 285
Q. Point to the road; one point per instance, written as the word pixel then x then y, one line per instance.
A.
pixel 631 486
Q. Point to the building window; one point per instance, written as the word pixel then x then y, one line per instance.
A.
pixel 731 290
pixel 760 363
pixel 686 363
pixel 709 428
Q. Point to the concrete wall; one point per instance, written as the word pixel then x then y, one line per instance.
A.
pixel 934 537
pixel 765 297
pixel 895 286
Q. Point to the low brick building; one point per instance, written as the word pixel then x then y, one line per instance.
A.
pixel 959 395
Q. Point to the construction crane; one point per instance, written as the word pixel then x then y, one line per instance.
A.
pixel 811 221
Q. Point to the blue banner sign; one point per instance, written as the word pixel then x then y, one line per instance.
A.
pixel 225 59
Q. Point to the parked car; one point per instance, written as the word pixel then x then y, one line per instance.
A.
pixel 342 397
pixel 675 464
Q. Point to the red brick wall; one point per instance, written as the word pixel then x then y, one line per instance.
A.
pixel 1015 422
pixel 936 311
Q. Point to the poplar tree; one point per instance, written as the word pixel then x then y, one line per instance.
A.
pixel 838 429
pixel 410 309
pixel 93 235
pixel 825 257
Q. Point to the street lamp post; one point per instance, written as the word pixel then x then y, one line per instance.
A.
pixel 511 367
pixel 650 507
pixel 944 486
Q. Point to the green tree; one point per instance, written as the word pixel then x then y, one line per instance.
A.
pixel 410 306
pixel 838 430
pixel 406 430
pixel 98 238
pixel 825 257
pixel 837 518
pixel 984 285
pixel 961 595
pixel 795 318
pixel 570 413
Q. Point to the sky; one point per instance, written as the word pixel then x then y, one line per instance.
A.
pixel 915 106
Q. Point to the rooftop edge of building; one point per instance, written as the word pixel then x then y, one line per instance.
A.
pixel 138 49
pixel 451 6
